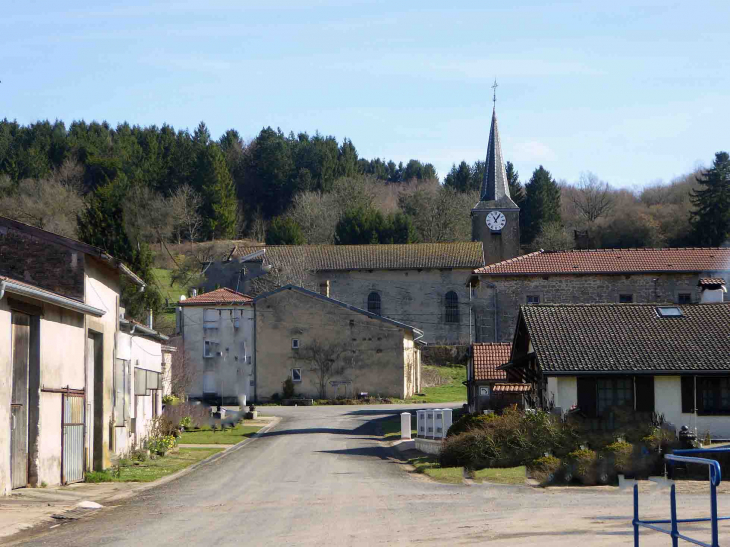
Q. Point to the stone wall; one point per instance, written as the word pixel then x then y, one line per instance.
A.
pixel 512 292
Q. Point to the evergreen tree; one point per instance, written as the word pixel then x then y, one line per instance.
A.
pixel 461 178
pixel 516 190
pixel 284 231
pixel 542 203
pixel 214 182
pixel 359 226
pixel 710 218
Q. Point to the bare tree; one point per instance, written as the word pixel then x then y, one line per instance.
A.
pixel 257 230
pixel 593 198
pixel 439 213
pixel 554 237
pixel 185 205
pixel 317 214
pixel 327 360
pixel 183 370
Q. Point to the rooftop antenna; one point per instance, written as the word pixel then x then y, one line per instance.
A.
pixel 494 87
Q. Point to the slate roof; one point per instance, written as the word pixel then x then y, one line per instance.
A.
pixel 487 357
pixel 511 388
pixel 629 338
pixel 613 261
pixel 222 296
pixel 462 254
pixel 494 184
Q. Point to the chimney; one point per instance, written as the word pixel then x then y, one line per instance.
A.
pixel 324 288
pixel 149 319
pixel 713 290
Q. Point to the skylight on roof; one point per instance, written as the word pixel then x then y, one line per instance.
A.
pixel 669 311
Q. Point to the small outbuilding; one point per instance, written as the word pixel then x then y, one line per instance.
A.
pixel 487 385
pixel 331 349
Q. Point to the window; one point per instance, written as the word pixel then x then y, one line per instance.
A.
pixel 452 307
pixel 120 390
pixel 374 303
pixel 614 392
pixel 684 298
pixel 296 375
pixel 295 343
pixel 210 319
pixel 533 298
pixel 713 395
pixel 208 348
pixel 625 298
pixel 669 311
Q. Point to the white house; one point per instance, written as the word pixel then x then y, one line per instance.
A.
pixel 218 340
pixel 665 358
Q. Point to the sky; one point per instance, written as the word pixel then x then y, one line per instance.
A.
pixel 635 92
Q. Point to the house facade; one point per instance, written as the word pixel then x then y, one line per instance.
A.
pixel 487 385
pixel 217 330
pixel 587 277
pixel 301 333
pixel 670 359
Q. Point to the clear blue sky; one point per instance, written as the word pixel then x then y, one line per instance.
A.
pixel 633 91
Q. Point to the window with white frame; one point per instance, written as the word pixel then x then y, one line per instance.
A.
pixel 295 343
pixel 210 319
pixel 296 375
pixel 533 298
pixel 209 348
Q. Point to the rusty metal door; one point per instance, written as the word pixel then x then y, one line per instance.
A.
pixel 72 468
pixel 19 401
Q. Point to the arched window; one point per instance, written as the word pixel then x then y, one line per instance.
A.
pixel 374 303
pixel 452 307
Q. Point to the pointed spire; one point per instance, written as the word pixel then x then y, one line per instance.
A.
pixel 494 185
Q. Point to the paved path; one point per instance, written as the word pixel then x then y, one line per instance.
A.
pixel 320 477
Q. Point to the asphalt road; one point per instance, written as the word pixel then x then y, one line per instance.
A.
pixel 321 477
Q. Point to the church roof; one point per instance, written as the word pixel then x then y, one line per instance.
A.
pixel 614 261
pixel 494 185
pixel 420 256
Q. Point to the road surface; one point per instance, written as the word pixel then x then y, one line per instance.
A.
pixel 321 477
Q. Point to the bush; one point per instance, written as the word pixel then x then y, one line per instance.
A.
pixel 474 449
pixel 582 463
pixel 198 414
pixel 288 388
pixel 468 422
pixel 619 456
pixel 170 400
pixel 161 445
pixel 139 455
pixel 99 476
pixel 186 422
pixel 545 469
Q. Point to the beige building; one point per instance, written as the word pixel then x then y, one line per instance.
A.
pixel 217 328
pixel 330 349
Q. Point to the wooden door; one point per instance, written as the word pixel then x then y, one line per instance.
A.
pixel 19 401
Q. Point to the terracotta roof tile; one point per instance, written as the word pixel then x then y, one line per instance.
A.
pixel 711 281
pixel 511 388
pixel 486 359
pixel 462 254
pixel 596 338
pixel 219 296
pixel 614 261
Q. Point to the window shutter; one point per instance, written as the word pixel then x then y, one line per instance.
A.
pixel 587 396
pixel 644 393
pixel 688 394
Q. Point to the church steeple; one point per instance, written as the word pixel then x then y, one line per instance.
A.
pixel 494 184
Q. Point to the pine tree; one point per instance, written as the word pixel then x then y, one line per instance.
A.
pixel 542 203
pixel 711 217
pixel 284 231
pixel 516 190
pixel 215 184
pixel 461 178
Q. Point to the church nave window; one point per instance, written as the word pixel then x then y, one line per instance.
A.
pixel 452 307
pixel 374 303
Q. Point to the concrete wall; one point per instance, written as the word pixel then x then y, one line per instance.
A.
pixel 232 371
pixel 512 292
pixel 376 349
pixel 6 374
pixel 563 390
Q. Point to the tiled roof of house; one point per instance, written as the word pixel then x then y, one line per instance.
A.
pixel 631 338
pixel 486 359
pixel 222 296
pixel 614 261
pixel 511 388
pixel 711 281
pixel 462 254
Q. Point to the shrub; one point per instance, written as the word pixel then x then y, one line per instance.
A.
pixel 186 422
pixel 545 469
pixel 99 476
pixel 139 455
pixel 170 400
pixel 620 456
pixel 288 388
pixel 275 397
pixel 582 463
pixel 468 422
pixel 474 449
pixel 198 414
pixel 161 445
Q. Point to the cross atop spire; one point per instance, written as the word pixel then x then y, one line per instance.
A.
pixel 494 184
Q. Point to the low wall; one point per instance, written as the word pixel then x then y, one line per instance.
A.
pixel 429 446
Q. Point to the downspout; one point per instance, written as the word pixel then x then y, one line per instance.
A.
pixel 255 360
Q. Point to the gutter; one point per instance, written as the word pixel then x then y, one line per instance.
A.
pixel 43 296
pixel 143 330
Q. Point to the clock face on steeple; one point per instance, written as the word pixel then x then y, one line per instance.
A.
pixel 496 221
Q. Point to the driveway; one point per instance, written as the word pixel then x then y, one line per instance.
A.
pixel 321 477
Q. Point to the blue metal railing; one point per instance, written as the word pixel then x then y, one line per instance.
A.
pixel 715 479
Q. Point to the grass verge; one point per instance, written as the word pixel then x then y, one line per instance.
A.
pixel 451 391
pixel 231 435
pixel 391 428
pixel 151 470
pixel 429 466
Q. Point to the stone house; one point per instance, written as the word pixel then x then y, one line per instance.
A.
pixel 421 284
pixel 300 333
pixel 217 330
pixel 670 359
pixel 57 274
pixel 486 383
pixel 585 277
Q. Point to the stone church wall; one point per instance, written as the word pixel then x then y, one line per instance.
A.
pixel 512 291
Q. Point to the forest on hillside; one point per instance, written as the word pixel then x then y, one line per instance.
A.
pixel 129 188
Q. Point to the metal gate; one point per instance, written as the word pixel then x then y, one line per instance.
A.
pixel 19 401
pixel 72 459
